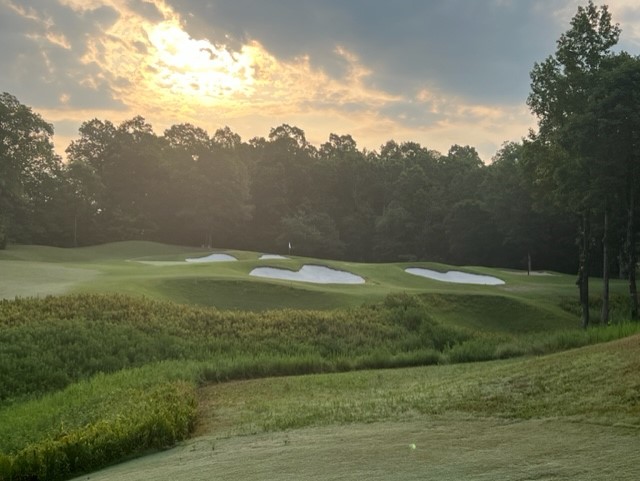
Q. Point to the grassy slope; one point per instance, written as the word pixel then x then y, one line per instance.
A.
pixel 573 415
pixel 35 270
pixel 522 305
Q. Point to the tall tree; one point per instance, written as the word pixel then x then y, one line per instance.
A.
pixel 87 165
pixel 343 190
pixel 615 138
pixel 281 182
pixel 508 198
pixel 209 191
pixel 27 165
pixel 560 90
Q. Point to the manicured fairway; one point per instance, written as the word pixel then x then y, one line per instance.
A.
pixel 37 279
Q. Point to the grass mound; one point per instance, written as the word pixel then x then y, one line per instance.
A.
pixel 496 313
pixel 113 250
pixel 47 344
pixel 246 295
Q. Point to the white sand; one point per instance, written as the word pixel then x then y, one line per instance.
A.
pixel 309 273
pixel 455 277
pixel 271 256
pixel 212 258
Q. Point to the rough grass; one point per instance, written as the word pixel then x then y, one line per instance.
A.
pixel 47 344
pixel 573 415
pixel 91 424
pixel 596 384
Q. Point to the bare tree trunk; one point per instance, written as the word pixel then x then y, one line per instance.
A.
pixel 75 230
pixel 633 258
pixel 583 271
pixel 528 263
pixel 604 314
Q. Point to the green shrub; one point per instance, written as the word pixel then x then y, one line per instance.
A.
pixel 474 350
pixel 147 419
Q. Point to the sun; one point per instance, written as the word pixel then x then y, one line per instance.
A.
pixel 199 69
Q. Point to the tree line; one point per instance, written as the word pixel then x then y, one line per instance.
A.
pixel 573 183
pixel 405 202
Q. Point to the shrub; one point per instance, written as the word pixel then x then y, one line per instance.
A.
pixel 151 419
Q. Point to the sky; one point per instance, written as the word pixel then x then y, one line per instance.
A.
pixel 437 72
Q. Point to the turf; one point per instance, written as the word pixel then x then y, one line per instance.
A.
pixel 38 279
pixel 453 450
pixel 573 415
pixel 158 271
pixel 248 295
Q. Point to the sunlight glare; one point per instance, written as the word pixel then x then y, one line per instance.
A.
pixel 198 68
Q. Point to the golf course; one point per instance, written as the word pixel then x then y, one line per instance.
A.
pixel 153 361
pixel 436 280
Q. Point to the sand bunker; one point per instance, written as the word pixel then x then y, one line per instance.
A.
pixel 455 276
pixel 264 257
pixel 212 258
pixel 309 273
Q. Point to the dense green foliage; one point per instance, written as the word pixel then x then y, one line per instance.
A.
pixel 584 96
pixel 29 172
pixel 48 344
pixel 405 202
pixel 94 423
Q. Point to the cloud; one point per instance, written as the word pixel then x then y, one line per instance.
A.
pixel 438 72
pixel 477 48
pixel 41 61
